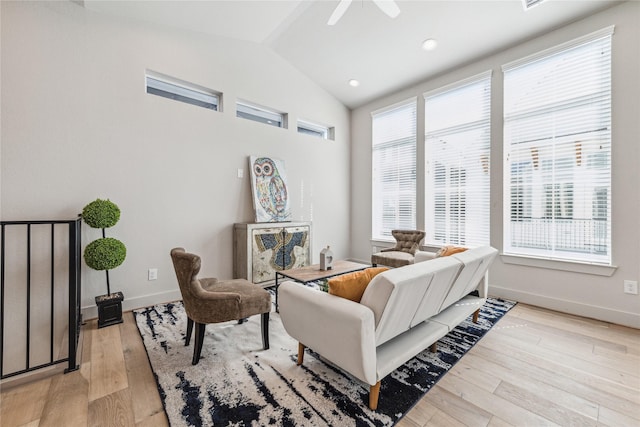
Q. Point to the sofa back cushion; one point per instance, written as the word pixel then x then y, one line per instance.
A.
pixel 396 295
pixel 476 262
pixel 441 283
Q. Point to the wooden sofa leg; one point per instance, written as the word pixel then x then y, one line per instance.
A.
pixel 434 347
pixel 300 353
pixel 475 316
pixel 374 393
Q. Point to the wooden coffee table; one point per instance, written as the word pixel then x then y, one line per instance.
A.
pixel 311 273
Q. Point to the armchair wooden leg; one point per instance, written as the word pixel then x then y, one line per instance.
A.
pixel 187 340
pixel 264 320
pixel 475 316
pixel 197 348
pixel 434 347
pixel 374 393
pixel 300 353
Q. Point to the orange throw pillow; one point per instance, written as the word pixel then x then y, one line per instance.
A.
pixel 450 250
pixel 351 286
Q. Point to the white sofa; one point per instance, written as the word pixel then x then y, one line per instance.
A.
pixel 402 312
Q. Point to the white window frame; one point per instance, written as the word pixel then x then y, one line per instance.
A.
pixel 180 90
pixel 457 163
pixel 261 114
pixel 526 143
pixel 393 161
pixel 310 128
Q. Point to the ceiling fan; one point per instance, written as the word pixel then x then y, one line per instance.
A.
pixel 387 6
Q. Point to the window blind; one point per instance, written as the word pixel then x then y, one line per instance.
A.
pixel 557 130
pixel 394 169
pixel 457 163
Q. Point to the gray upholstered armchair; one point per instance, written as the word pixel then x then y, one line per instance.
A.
pixel 214 301
pixel 407 243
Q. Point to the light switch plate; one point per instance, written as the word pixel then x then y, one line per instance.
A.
pixel 631 287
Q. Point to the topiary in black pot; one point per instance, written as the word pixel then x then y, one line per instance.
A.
pixel 105 254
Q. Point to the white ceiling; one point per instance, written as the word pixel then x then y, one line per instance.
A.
pixel 384 54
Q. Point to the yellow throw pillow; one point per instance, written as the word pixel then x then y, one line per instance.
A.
pixel 352 285
pixel 374 271
pixel 450 250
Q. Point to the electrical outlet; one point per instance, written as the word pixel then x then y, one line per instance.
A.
pixel 152 274
pixel 631 287
pixel 240 173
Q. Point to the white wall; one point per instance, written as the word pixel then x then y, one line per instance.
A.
pixel 580 293
pixel 78 125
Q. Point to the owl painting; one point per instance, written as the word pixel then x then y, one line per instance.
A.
pixel 270 197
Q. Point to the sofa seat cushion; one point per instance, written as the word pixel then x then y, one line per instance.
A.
pixel 405 346
pixel 352 285
pixel 456 313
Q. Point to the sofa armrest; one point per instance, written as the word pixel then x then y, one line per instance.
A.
pixel 423 256
pixel 340 330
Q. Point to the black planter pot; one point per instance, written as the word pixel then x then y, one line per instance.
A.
pixel 109 309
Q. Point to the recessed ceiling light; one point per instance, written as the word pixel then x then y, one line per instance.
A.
pixel 354 83
pixel 429 44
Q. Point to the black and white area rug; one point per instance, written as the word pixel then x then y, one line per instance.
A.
pixel 237 383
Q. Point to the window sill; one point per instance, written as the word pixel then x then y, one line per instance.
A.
pixel 573 266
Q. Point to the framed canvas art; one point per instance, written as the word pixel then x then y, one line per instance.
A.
pixel 269 188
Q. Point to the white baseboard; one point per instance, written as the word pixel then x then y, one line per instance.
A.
pixel 91 312
pixel 572 307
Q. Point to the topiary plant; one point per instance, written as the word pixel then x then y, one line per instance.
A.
pixel 106 253
pixel 101 214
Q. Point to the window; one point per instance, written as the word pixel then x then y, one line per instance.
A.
pixel 557 130
pixel 179 90
pixel 520 191
pixel 457 143
pixel 394 169
pixel 260 114
pixel 314 129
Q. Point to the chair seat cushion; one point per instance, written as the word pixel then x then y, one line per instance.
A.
pixel 253 298
pixel 239 298
pixel 392 258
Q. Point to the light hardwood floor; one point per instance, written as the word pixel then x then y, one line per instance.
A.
pixel 534 368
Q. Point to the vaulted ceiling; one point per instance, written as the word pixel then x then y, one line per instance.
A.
pixel 382 53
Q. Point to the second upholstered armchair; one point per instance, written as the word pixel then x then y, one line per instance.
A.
pixel 213 301
pixel 407 243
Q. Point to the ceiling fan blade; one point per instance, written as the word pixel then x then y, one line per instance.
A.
pixel 389 7
pixel 339 11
